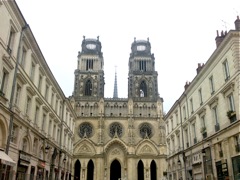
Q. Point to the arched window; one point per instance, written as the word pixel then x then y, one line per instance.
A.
pixel 77 170
pixel 24 145
pixel 140 169
pixel 88 88
pixel 143 89
pixel 90 170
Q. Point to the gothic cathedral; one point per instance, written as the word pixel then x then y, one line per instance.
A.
pixel 118 138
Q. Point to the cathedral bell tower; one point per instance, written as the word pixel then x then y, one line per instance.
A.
pixel 142 77
pixel 89 75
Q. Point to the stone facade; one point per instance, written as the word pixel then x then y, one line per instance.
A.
pixel 36 119
pixel 118 137
pixel 203 139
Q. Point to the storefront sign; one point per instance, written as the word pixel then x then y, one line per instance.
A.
pixel 41 164
pixel 24 157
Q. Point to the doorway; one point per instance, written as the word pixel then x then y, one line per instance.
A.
pixel 115 170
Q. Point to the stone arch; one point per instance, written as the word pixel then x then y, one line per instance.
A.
pixel 85 147
pixel 3 131
pixel 29 141
pixel 146 148
pixel 116 142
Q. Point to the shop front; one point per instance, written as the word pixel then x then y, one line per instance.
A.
pixel 40 170
pixel 6 164
pixel 236 167
pixel 23 165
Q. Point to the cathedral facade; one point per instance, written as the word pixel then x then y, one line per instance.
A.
pixel 118 138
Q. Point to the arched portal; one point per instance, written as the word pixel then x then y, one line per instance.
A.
pixel 90 170
pixel 140 170
pixel 153 169
pixel 115 170
pixel 77 170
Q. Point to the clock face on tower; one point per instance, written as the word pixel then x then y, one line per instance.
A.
pixel 91 46
pixel 141 48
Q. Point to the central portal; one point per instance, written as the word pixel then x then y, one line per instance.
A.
pixel 115 170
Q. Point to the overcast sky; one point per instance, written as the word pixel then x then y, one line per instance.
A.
pixel 182 34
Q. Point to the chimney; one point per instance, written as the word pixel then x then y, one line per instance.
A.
pixel 220 38
pixel 199 68
pixel 186 85
pixel 237 24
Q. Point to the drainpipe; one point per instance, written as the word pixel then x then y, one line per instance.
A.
pixel 13 90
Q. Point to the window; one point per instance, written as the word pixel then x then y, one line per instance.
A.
pixel 4 82
pixel 18 92
pixel 54 132
pixel 14 134
pixel 142 66
pixel 194 130
pixel 46 92
pixel 237 143
pixel 11 41
pixel 231 102
pixel 186 137
pixel 40 82
pixel 184 113
pixel 89 64
pixel 24 145
pixel 177 119
pixel 203 121
pixel 56 106
pixel 28 106
pixel 44 121
pixel 200 96
pixel 58 136
pixel 88 88
pixel 143 89
pixel 191 105
pixel 178 140
pixel 32 71
pixel 52 99
pixel 215 114
pixel 172 123
pixel 226 70
pixel 23 57
pixel 35 145
pixel 49 127
pixel 211 85
pixel 36 115
pixel 220 149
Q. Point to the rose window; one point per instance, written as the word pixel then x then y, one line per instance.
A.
pixel 115 129
pixel 145 130
pixel 85 130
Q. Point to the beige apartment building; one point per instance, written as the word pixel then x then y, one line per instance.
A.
pixel 203 127
pixel 36 119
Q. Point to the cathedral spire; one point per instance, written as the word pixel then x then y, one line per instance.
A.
pixel 115 92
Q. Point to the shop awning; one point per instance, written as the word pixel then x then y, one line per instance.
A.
pixel 6 159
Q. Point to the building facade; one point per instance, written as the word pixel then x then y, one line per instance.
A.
pixel 36 119
pixel 118 138
pixel 203 127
